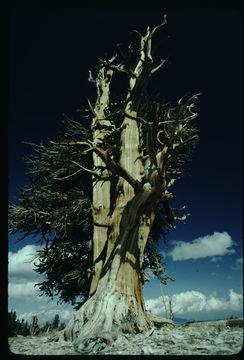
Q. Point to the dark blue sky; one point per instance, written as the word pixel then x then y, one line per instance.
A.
pixel 51 51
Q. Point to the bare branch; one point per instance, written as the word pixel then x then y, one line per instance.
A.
pixel 90 78
pixel 119 67
pixel 68 176
pixel 84 168
pixel 112 58
pixel 159 66
pixel 180 209
pixel 190 117
pixel 174 171
pixel 187 141
pixel 160 132
pixel 158 26
pixel 192 98
pixel 32 144
pixel 166 122
pixel 115 167
pixel 180 100
pixel 171 183
pixel 39 148
pixel 170 213
pixel 127 61
pixel 138 119
pixel 182 218
pixel 71 143
pixel 91 108
pixel 137 32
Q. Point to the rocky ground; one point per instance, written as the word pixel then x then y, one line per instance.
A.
pixel 223 337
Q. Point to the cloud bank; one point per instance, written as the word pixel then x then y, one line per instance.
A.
pixel 22 277
pixel 192 301
pixel 24 291
pixel 217 244
pixel 21 263
pixel 23 295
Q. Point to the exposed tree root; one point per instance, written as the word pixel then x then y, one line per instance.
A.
pixel 103 318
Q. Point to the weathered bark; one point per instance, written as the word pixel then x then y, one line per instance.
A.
pixel 116 297
pixel 101 187
pixel 118 304
pixel 122 222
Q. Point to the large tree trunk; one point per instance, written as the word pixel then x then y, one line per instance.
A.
pixel 117 305
pixel 116 302
pixel 101 187
pixel 122 222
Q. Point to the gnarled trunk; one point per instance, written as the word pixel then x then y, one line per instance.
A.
pixel 117 305
pixel 126 193
pixel 121 227
pixel 116 302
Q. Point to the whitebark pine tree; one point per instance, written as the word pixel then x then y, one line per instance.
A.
pixel 122 222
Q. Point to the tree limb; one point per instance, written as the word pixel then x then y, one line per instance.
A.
pixel 138 119
pixel 68 176
pixel 119 67
pixel 158 26
pixel 159 66
pixel 187 141
pixel 115 167
pixel 91 108
pixel 71 143
pixel 127 61
pixel 85 169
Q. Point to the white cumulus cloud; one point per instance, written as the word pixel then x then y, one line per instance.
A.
pixel 22 277
pixel 189 301
pixel 24 296
pixel 23 291
pixel 217 244
pixel 21 263
pixel 192 301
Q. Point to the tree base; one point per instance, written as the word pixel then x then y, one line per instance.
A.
pixel 103 318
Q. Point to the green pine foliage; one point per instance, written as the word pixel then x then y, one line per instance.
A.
pixel 55 208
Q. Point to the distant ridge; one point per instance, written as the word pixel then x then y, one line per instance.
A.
pixel 182 321
pixel 189 321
